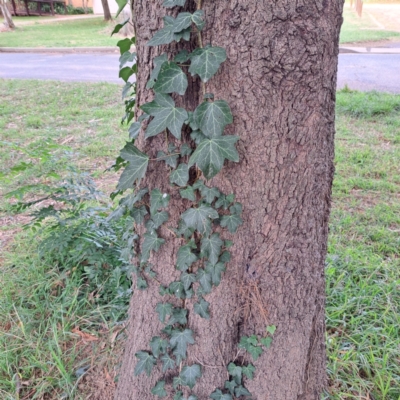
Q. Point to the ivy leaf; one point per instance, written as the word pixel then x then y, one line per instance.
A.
pixel 209 194
pixel 225 201
pixel 158 200
pixel 211 153
pixel 187 280
pixel 171 79
pixel 200 218
pixel 248 370
pixel 168 362
pixel 189 375
pixel 171 160
pixel 180 340
pixel 213 117
pixel 185 257
pixel 138 214
pixel 184 230
pixel 225 257
pixel 177 289
pixel 182 21
pixel 186 150
pixel 165 35
pixel 236 209
pixel 182 56
pixel 141 283
pixel 232 222
pixel 201 308
pixel 124 45
pixel 136 168
pixel 151 242
pixel 188 193
pixel 250 344
pixel 165 114
pixel 159 218
pixel 173 3
pixel 127 56
pixel 206 61
pixel 241 391
pixel 198 19
pixel 159 389
pixel 230 385
pixel 158 346
pixel 211 247
pixel 179 316
pixel 218 395
pixel 205 280
pixel 134 130
pixel 163 309
pixel 130 200
pixel 157 62
pixel 180 176
pixel 125 73
pixel 271 329
pixel 266 341
pixel 235 372
pixel 215 270
pixel 177 381
pixel 145 364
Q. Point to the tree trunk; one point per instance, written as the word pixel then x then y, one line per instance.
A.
pixel 8 22
pixel 280 81
pixel 106 9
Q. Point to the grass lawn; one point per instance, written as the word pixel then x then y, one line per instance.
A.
pixel 355 29
pixel 41 306
pixel 91 32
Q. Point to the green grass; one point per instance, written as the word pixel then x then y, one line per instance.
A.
pixel 40 305
pixel 355 29
pixel 91 32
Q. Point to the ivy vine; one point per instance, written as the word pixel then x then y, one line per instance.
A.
pixel 203 257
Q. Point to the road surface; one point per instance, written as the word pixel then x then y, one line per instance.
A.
pixel 357 71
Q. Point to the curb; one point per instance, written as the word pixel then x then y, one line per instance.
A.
pixel 65 50
pixel 368 50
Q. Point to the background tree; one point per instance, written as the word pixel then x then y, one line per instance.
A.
pixel 106 9
pixel 8 22
pixel 280 81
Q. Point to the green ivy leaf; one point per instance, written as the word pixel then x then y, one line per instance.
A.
pixel 232 222
pixel 249 370
pixel 218 395
pixel 126 57
pixel 215 270
pixel 235 372
pixel 186 150
pixel 145 364
pixel 130 200
pixel 138 214
pixel 200 218
pixel 179 316
pixel 182 56
pixel 165 35
pixel 165 114
pixel 271 329
pixel 177 289
pixel 212 118
pixel 206 61
pixel 163 309
pixel 159 389
pixel 205 280
pixel 141 283
pixel 211 153
pixel 197 137
pixel 173 3
pixel 158 200
pixel 180 176
pixel 157 62
pixel 184 230
pixel 225 201
pixel 211 247
pixel 136 168
pixel 127 89
pixel 134 130
pixel 125 73
pixel 151 242
pixel 201 308
pixel 171 160
pixel 241 391
pixel 180 340
pixel 168 363
pixel 230 385
pixel 266 341
pixel 185 257
pixel 182 21
pixel 177 381
pixel 209 194
pixel 187 280
pixel 198 19
pixel 188 193
pixel 171 79
pixel 118 27
pixel 159 218
pixel 250 344
pixel 124 45
pixel 190 374
pixel 225 257
pixel 158 346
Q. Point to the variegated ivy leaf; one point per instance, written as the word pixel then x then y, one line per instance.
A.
pixel 180 340
pixel 136 168
pixel 211 247
pixel 200 218
pixel 165 114
pixel 158 200
pixel 213 117
pixel 145 364
pixel 159 389
pixel 211 154
pixel 201 308
pixel 151 242
pixel 185 256
pixel 190 374
pixel 180 176
pixel 173 3
pixel 206 61
pixel 171 79
pixel 157 62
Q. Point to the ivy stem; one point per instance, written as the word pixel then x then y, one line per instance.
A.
pixel 163 158
pixel 199 5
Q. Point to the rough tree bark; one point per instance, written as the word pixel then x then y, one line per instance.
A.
pixel 8 22
pixel 280 81
pixel 106 9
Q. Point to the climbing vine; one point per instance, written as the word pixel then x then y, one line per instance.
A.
pixel 201 154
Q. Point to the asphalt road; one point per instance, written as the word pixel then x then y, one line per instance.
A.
pixel 359 71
